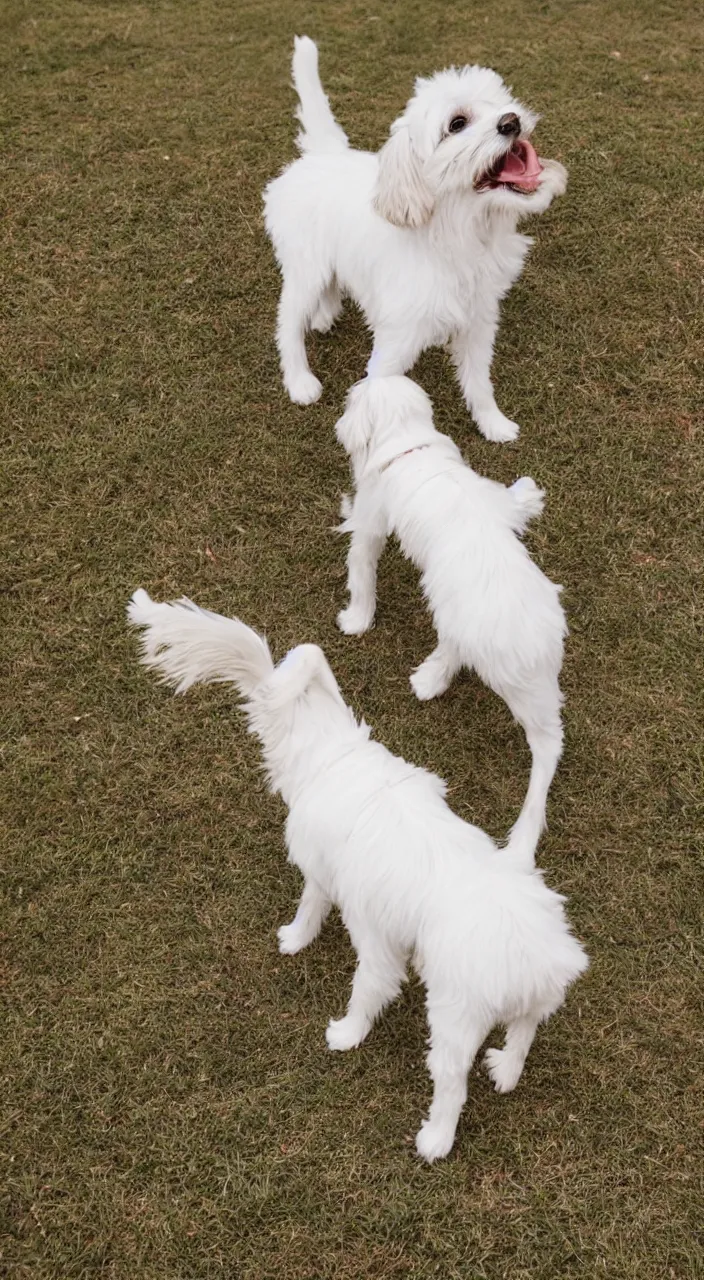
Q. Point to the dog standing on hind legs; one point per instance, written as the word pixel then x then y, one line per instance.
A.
pixel 422 236
pixel 493 609
pixel 374 836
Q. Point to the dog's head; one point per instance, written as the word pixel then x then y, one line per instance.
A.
pixel 376 410
pixel 462 132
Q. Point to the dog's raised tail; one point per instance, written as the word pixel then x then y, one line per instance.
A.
pixel 546 747
pixel 320 131
pixel 187 645
pixel 522 843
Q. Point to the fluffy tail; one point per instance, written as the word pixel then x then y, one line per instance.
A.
pixel 528 502
pixel 320 131
pixel 546 749
pixel 523 842
pixel 187 645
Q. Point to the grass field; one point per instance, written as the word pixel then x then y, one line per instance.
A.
pixel 168 1106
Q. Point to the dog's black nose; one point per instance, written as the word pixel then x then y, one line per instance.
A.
pixel 509 124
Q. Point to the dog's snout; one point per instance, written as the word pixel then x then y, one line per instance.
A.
pixel 509 124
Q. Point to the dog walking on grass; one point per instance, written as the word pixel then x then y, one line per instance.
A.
pixel 493 608
pixel 374 836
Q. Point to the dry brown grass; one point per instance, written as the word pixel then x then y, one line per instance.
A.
pixel 169 1109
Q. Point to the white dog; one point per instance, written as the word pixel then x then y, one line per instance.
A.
pixel 493 608
pixel 373 835
pixel 422 235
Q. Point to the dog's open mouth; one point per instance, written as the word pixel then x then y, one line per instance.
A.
pixel 519 170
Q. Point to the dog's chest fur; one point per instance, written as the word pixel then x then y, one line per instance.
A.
pixel 456 269
pixel 476 263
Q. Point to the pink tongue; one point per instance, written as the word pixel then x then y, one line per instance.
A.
pixel 521 168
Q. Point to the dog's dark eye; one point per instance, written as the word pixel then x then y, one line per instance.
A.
pixel 457 124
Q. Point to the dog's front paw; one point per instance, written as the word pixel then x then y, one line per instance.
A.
pixel 354 621
pixel 433 1141
pixel 345 506
pixel 343 1034
pixel 504 1069
pixel 304 388
pixel 497 427
pixel 291 939
pixel 555 176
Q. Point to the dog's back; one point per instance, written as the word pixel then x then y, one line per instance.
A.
pixel 378 836
pixel 479 580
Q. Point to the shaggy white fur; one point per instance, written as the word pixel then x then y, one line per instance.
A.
pixel 493 608
pixel 373 836
pixel 422 236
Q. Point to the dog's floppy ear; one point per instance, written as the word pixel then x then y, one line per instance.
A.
pixel 354 428
pixel 402 195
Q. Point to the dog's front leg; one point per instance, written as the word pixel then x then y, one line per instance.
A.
pixel 366 547
pixel 553 182
pixel 313 909
pixel 472 351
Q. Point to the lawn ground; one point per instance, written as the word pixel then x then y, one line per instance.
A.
pixel 168 1107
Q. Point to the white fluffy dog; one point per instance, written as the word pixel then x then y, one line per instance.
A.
pixel 373 835
pixel 493 608
pixel 422 235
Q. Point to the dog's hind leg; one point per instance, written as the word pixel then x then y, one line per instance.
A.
pixel 297 304
pixel 378 978
pixel 455 1038
pixel 505 1065
pixel 313 909
pixel 434 676
pixel 328 309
